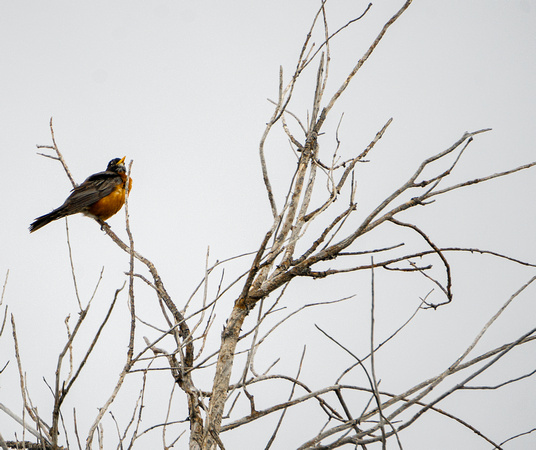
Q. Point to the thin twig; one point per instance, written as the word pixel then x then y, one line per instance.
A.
pixel 58 153
pixel 372 362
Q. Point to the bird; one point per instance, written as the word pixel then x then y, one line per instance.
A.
pixel 100 196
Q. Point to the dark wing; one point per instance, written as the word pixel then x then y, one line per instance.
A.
pixel 94 188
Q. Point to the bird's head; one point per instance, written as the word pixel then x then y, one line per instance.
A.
pixel 117 165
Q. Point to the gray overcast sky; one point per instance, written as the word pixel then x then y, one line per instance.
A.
pixel 181 87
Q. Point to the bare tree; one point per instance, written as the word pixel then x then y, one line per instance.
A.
pixel 315 233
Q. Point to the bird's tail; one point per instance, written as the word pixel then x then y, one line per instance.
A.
pixel 40 222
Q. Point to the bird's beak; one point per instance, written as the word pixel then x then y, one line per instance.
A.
pixel 122 160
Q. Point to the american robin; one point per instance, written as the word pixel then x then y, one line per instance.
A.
pixel 101 195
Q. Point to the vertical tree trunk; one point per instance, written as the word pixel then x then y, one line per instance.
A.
pixel 222 377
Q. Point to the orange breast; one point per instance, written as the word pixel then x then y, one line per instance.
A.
pixel 106 207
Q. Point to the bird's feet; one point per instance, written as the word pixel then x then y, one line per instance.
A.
pixel 102 223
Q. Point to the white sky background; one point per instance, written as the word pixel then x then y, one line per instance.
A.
pixel 181 89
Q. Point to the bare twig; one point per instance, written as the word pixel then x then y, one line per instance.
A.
pixel 281 417
pixel 58 153
pixel 372 350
